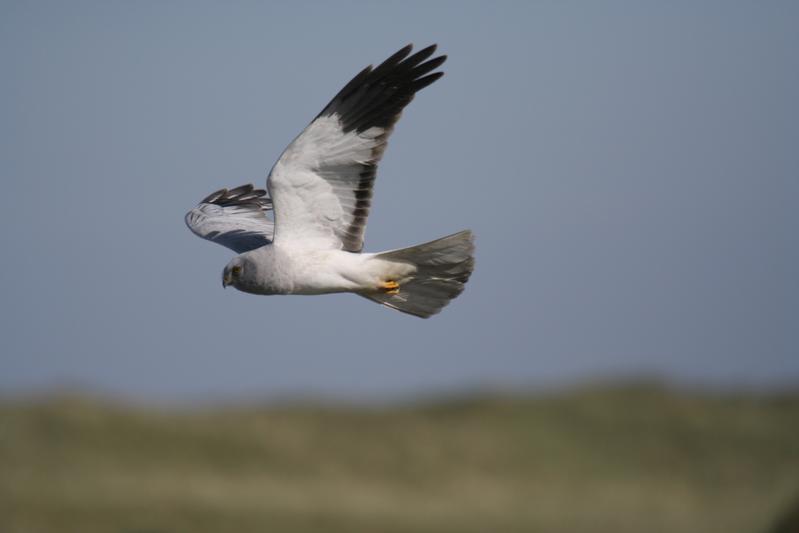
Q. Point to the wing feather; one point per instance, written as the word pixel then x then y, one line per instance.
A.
pixel 234 218
pixel 322 184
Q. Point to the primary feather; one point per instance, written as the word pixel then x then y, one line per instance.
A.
pixel 234 218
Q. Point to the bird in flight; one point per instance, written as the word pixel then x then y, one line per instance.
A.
pixel 320 192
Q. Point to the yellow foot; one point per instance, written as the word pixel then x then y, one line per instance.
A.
pixel 391 287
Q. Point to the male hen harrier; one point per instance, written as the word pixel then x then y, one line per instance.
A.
pixel 320 190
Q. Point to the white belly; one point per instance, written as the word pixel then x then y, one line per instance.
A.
pixel 322 272
pixel 302 271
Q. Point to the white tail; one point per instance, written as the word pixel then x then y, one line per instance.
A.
pixel 442 266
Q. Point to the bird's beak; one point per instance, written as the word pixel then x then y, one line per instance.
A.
pixel 226 280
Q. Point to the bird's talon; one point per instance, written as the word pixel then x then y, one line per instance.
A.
pixel 391 287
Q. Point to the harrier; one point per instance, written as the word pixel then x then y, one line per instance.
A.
pixel 320 192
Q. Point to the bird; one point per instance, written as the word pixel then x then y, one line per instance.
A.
pixel 319 197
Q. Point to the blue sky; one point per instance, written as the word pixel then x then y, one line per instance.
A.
pixel 630 170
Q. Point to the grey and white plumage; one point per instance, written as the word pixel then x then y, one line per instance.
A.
pixel 320 193
pixel 234 218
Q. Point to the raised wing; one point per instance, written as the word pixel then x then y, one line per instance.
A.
pixel 234 218
pixel 322 184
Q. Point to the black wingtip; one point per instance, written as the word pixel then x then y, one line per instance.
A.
pixel 405 50
pixel 241 190
pixel 395 59
pixel 422 54
pixel 243 194
pixel 376 97
pixel 211 198
pixel 421 83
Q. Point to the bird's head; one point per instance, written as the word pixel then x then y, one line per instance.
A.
pixel 246 273
pixel 235 273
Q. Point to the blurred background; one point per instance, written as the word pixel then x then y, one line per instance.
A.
pixel 625 358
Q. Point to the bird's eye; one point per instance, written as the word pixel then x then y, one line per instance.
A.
pixel 236 270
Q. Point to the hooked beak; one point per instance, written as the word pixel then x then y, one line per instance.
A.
pixel 226 280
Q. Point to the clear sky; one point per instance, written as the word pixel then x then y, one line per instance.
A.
pixel 631 170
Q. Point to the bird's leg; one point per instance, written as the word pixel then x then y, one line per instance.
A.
pixel 390 287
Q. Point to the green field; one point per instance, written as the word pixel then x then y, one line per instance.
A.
pixel 612 459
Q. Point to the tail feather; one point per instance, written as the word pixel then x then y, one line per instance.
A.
pixel 442 266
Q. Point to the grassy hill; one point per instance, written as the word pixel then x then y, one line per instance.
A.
pixel 616 460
